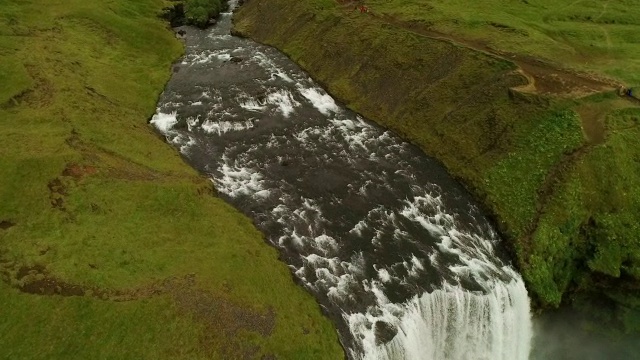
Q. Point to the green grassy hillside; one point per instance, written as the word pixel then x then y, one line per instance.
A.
pixel 594 35
pixel 556 161
pixel 111 246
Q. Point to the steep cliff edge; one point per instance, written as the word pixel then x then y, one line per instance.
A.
pixel 548 150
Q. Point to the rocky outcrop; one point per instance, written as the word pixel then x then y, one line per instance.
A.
pixel 200 13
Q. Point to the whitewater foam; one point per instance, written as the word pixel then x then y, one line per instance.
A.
pixel 237 180
pixel 320 100
pixel 274 71
pixel 284 102
pixel 452 324
pixel 164 122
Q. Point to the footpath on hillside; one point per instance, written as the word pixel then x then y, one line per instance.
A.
pixel 543 77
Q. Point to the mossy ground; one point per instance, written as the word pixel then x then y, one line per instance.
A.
pixel 562 181
pixel 110 245
pixel 592 35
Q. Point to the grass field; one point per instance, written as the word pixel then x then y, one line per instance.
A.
pixel 110 245
pixel 593 35
pixel 558 171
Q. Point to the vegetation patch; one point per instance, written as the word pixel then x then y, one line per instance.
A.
pixel 557 169
pixel 538 144
pixel 15 80
pixel 596 36
pixel 110 245
pixel 200 13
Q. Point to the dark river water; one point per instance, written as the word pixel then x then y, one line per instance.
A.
pixel 390 245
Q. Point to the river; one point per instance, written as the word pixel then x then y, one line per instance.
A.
pixel 396 252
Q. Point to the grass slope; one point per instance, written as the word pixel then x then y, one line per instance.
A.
pixel 593 35
pixel 110 246
pixel 560 174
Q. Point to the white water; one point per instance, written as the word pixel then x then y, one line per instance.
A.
pixel 164 122
pixel 455 324
pixel 448 323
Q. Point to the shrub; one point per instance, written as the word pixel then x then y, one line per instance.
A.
pixel 200 12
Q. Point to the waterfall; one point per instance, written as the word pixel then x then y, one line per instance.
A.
pixel 392 247
pixel 455 324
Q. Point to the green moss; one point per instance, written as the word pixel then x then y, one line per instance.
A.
pixel 613 182
pixel 14 78
pixel 199 12
pixel 556 249
pixel 77 328
pixel 538 145
pixel 592 219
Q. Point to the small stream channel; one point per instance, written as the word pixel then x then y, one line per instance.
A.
pixel 396 251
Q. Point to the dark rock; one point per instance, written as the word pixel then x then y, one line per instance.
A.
pixel 385 332
pixel 174 15
pixel 235 32
pixel 235 59
pixel 5 224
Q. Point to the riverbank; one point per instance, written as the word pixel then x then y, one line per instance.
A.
pixel 548 149
pixel 110 245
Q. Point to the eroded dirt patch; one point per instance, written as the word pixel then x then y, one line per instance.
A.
pixel 592 119
pixel 77 171
pixel 548 79
pixel 37 280
pixel 6 224
pixel 107 163
pixel 223 314
pixel 57 192
pixel 223 320
pixel 34 280
pixel 59 187
pixel 41 94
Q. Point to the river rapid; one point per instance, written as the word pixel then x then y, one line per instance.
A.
pixel 395 251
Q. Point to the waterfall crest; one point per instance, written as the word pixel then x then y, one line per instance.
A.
pixel 456 324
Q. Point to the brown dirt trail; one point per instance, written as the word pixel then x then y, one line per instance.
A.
pixel 544 77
